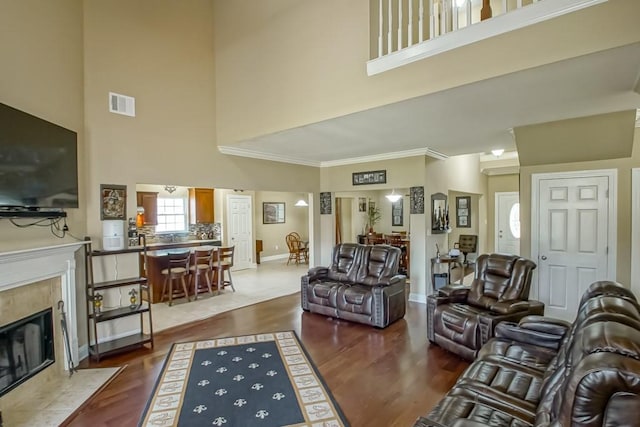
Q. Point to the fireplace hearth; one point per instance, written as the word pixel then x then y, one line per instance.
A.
pixel 26 348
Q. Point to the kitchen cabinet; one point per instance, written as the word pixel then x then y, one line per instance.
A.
pixel 149 201
pixel 201 205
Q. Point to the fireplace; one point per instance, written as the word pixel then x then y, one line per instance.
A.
pixel 26 348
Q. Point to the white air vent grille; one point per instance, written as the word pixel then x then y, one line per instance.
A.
pixel 122 104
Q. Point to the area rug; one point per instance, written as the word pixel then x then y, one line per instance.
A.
pixel 267 380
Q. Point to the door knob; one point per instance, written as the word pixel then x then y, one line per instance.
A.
pixel 543 257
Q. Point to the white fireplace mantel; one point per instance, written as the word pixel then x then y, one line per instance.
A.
pixel 26 266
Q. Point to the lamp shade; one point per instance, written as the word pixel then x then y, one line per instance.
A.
pixel 301 202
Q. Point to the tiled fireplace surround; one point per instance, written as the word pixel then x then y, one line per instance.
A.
pixel 30 281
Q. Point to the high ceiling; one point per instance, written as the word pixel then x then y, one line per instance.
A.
pixel 473 118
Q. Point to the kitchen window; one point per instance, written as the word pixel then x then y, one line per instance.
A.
pixel 172 215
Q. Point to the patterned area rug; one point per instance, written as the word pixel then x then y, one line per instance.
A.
pixel 255 380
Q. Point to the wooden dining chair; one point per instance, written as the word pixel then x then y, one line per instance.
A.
pixel 222 262
pixel 202 266
pixel 297 252
pixel 177 271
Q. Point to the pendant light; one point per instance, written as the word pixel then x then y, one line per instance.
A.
pixel 302 203
pixel 393 197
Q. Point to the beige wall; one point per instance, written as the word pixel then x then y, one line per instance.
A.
pixel 497 184
pixel 162 53
pixel 273 235
pixel 623 168
pixel 268 80
pixel 41 61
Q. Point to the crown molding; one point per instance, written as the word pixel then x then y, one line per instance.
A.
pixel 242 152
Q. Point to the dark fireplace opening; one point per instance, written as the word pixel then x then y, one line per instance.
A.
pixel 26 348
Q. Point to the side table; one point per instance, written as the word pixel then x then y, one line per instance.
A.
pixel 446 259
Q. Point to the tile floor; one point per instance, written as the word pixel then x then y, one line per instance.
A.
pixel 52 404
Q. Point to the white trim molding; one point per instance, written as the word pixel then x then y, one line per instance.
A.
pixel 635 231
pixel 261 155
pixel 531 14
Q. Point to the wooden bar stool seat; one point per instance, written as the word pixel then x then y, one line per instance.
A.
pixel 202 266
pixel 177 271
pixel 223 261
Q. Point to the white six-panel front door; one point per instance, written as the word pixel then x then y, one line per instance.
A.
pixel 572 240
pixel 507 237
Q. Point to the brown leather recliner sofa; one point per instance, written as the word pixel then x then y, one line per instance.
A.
pixel 362 285
pixel 462 318
pixel 546 372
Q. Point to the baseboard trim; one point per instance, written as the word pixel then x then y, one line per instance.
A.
pixel 421 298
pixel 274 257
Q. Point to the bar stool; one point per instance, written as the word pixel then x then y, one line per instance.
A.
pixel 177 270
pixel 223 261
pixel 202 266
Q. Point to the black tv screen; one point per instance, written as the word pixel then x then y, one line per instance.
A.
pixel 38 162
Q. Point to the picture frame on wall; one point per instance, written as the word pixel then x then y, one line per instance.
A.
pixel 369 177
pixel 416 200
pixel 273 212
pixel 463 211
pixel 362 204
pixel 113 202
pixel 397 213
pixel 325 203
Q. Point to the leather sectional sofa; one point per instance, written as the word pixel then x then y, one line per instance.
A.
pixel 546 372
pixel 362 285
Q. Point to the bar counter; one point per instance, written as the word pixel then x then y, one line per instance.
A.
pixel 157 260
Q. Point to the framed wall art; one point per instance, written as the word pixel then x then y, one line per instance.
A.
pixel 370 177
pixel 397 213
pixel 113 202
pixel 273 213
pixel 416 200
pixel 463 212
pixel 362 204
pixel 325 203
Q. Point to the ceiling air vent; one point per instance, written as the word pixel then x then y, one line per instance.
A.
pixel 122 104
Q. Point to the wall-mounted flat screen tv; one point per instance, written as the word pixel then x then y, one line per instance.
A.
pixel 38 162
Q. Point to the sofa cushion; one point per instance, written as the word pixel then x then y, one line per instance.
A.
pixel 324 293
pixel 345 263
pixel 378 262
pixel 355 299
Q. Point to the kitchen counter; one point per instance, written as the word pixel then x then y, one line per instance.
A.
pixel 158 259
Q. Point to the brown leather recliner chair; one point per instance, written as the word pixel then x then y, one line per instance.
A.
pixel 461 319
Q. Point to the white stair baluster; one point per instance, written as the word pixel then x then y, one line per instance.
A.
pixel 399 24
pixel 410 25
pixel 380 21
pixel 504 6
pixel 519 4
pixel 389 31
pixel 454 12
pixel 468 5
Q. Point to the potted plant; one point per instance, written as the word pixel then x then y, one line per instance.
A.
pixel 373 217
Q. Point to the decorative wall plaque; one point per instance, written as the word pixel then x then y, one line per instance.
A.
pixel 370 177
pixel 325 203
pixel 416 200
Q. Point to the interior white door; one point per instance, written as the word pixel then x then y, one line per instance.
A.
pixel 240 230
pixel 507 227
pixel 572 240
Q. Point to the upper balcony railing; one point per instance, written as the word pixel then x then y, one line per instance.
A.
pixel 410 30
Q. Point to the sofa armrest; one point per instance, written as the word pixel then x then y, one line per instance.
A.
pixel 388 281
pixel 316 273
pixel 507 307
pixel 545 324
pixel 452 290
pixel 511 331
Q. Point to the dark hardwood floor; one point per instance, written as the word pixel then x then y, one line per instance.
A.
pixel 378 377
